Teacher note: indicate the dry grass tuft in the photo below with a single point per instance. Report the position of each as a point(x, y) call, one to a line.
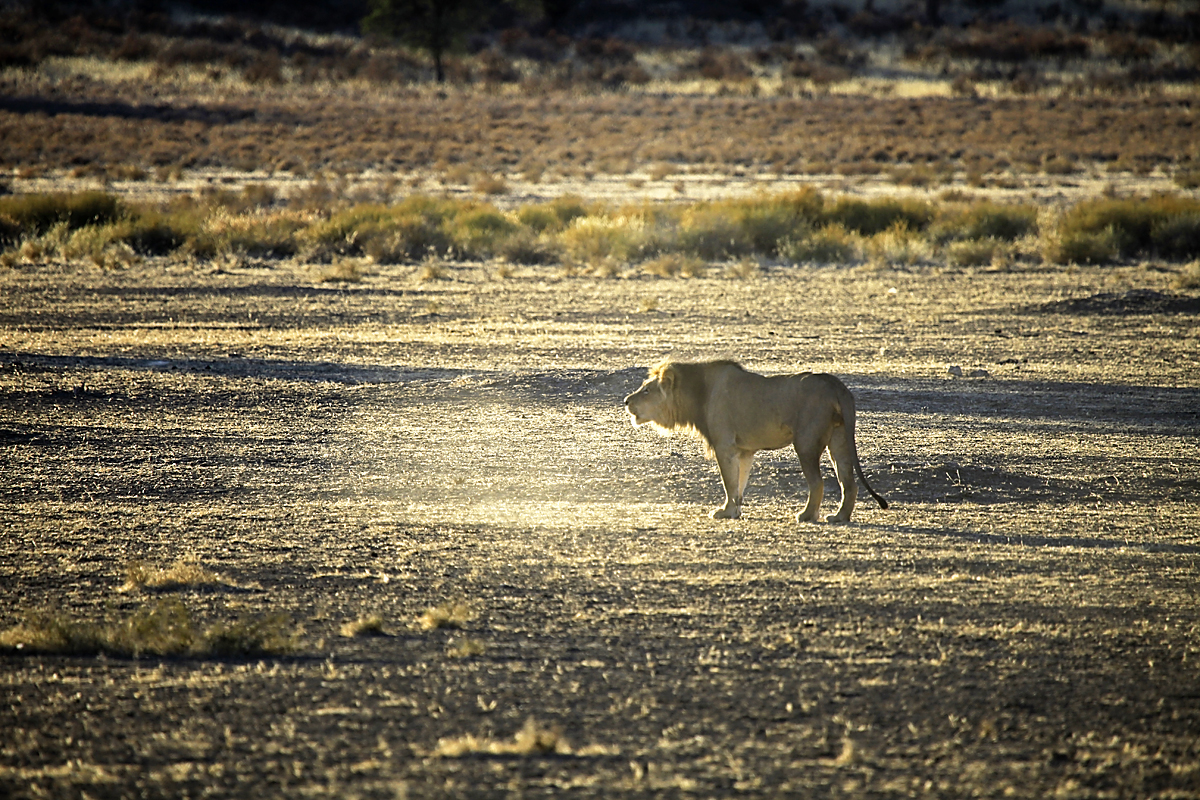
point(345, 271)
point(371, 625)
point(432, 269)
point(491, 185)
point(744, 269)
point(184, 573)
point(671, 265)
point(531, 740)
point(164, 629)
point(454, 614)
point(1188, 277)
point(466, 648)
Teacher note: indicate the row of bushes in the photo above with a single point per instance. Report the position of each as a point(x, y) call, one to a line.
point(804, 226)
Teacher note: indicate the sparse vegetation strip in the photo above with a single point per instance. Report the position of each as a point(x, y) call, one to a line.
point(665, 239)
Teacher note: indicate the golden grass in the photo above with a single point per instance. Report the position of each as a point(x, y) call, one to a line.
point(454, 614)
point(671, 239)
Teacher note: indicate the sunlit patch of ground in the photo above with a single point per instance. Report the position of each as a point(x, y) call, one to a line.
point(1022, 620)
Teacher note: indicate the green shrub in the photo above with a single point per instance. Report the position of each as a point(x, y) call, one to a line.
point(552, 216)
point(482, 232)
point(898, 245)
point(994, 221)
point(711, 233)
point(346, 226)
point(973, 252)
point(1130, 223)
point(154, 232)
point(869, 217)
point(526, 247)
point(832, 244)
point(1081, 247)
point(1177, 237)
point(36, 214)
point(593, 239)
point(404, 238)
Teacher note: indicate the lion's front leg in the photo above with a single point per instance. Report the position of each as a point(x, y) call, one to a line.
point(730, 465)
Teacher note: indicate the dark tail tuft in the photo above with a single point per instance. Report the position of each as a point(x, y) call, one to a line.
point(858, 467)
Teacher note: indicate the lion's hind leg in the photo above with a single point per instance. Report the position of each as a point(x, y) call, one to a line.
point(842, 454)
point(810, 465)
point(809, 450)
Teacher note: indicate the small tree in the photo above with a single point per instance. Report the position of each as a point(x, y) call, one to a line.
point(437, 26)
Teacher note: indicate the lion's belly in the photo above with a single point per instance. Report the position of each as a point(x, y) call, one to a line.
point(771, 438)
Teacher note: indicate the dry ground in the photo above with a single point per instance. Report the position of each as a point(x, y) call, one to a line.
point(1023, 621)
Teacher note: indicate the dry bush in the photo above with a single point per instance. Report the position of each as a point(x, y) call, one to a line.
point(1015, 43)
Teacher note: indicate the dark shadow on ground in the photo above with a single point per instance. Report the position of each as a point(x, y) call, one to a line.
point(211, 115)
point(1094, 405)
point(1023, 540)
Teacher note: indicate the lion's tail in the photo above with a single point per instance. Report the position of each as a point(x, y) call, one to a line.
point(858, 468)
point(848, 420)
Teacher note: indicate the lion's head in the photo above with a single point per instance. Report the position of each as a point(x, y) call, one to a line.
point(654, 403)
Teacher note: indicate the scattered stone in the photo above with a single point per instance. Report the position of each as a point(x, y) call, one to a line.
point(955, 370)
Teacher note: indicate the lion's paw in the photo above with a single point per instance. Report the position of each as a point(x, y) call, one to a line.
point(727, 513)
point(802, 517)
point(837, 518)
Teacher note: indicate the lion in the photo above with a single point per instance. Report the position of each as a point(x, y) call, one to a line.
point(736, 413)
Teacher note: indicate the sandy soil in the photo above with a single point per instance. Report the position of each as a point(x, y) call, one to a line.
point(1022, 622)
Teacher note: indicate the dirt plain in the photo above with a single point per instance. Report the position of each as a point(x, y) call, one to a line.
point(1023, 621)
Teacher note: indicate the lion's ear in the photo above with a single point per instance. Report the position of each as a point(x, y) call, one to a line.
point(667, 378)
